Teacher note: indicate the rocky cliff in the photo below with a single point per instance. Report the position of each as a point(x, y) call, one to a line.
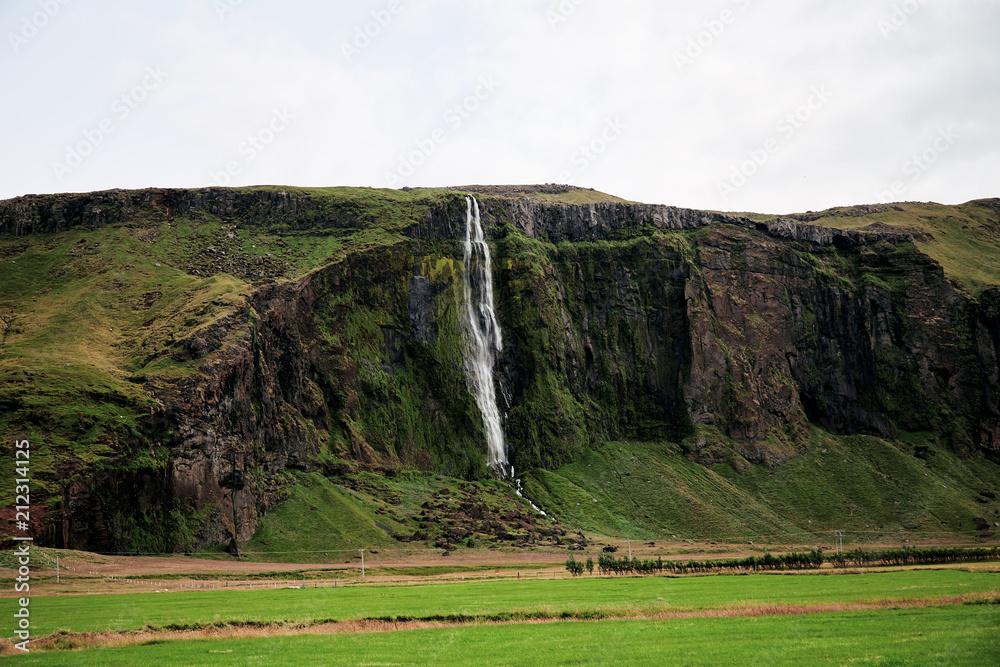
point(326, 336)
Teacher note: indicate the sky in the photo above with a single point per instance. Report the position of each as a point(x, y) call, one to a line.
point(740, 105)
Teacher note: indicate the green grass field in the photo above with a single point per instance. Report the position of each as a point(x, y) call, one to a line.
point(495, 599)
point(956, 635)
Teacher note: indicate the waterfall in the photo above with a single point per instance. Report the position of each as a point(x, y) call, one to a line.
point(484, 337)
point(519, 490)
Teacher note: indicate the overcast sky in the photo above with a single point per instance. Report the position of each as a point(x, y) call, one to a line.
point(744, 105)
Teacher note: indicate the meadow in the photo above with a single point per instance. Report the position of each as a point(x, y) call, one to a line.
point(956, 635)
point(492, 600)
point(907, 615)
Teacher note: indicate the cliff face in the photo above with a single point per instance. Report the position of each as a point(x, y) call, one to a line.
point(621, 321)
point(751, 329)
point(50, 214)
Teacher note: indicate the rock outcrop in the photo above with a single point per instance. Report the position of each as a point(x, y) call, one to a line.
point(621, 321)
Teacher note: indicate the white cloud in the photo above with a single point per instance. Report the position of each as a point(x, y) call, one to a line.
point(559, 85)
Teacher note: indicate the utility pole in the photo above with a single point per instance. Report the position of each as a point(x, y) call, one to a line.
point(362, 563)
point(630, 549)
point(840, 540)
point(57, 568)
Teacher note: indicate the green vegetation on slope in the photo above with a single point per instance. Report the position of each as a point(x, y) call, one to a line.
point(97, 320)
point(93, 314)
point(964, 239)
point(874, 489)
point(327, 519)
point(317, 516)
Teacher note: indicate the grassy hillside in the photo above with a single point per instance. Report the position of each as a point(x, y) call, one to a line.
point(567, 194)
point(91, 316)
point(877, 491)
point(874, 489)
point(964, 239)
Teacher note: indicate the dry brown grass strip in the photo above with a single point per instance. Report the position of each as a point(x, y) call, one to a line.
point(96, 640)
point(774, 609)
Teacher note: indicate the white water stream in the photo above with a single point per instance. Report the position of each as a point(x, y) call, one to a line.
point(485, 337)
point(518, 488)
point(485, 342)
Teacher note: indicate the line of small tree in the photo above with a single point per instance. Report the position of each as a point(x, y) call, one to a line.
point(576, 567)
point(608, 564)
point(912, 556)
point(807, 560)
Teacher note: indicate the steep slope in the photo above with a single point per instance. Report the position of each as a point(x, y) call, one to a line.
point(175, 354)
point(876, 490)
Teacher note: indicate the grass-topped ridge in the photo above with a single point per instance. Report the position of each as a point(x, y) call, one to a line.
point(964, 239)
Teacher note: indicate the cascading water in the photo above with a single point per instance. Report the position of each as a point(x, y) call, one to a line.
point(485, 338)
point(519, 490)
point(485, 341)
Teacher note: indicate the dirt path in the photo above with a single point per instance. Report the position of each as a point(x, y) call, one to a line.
point(88, 573)
point(82, 564)
point(85, 564)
